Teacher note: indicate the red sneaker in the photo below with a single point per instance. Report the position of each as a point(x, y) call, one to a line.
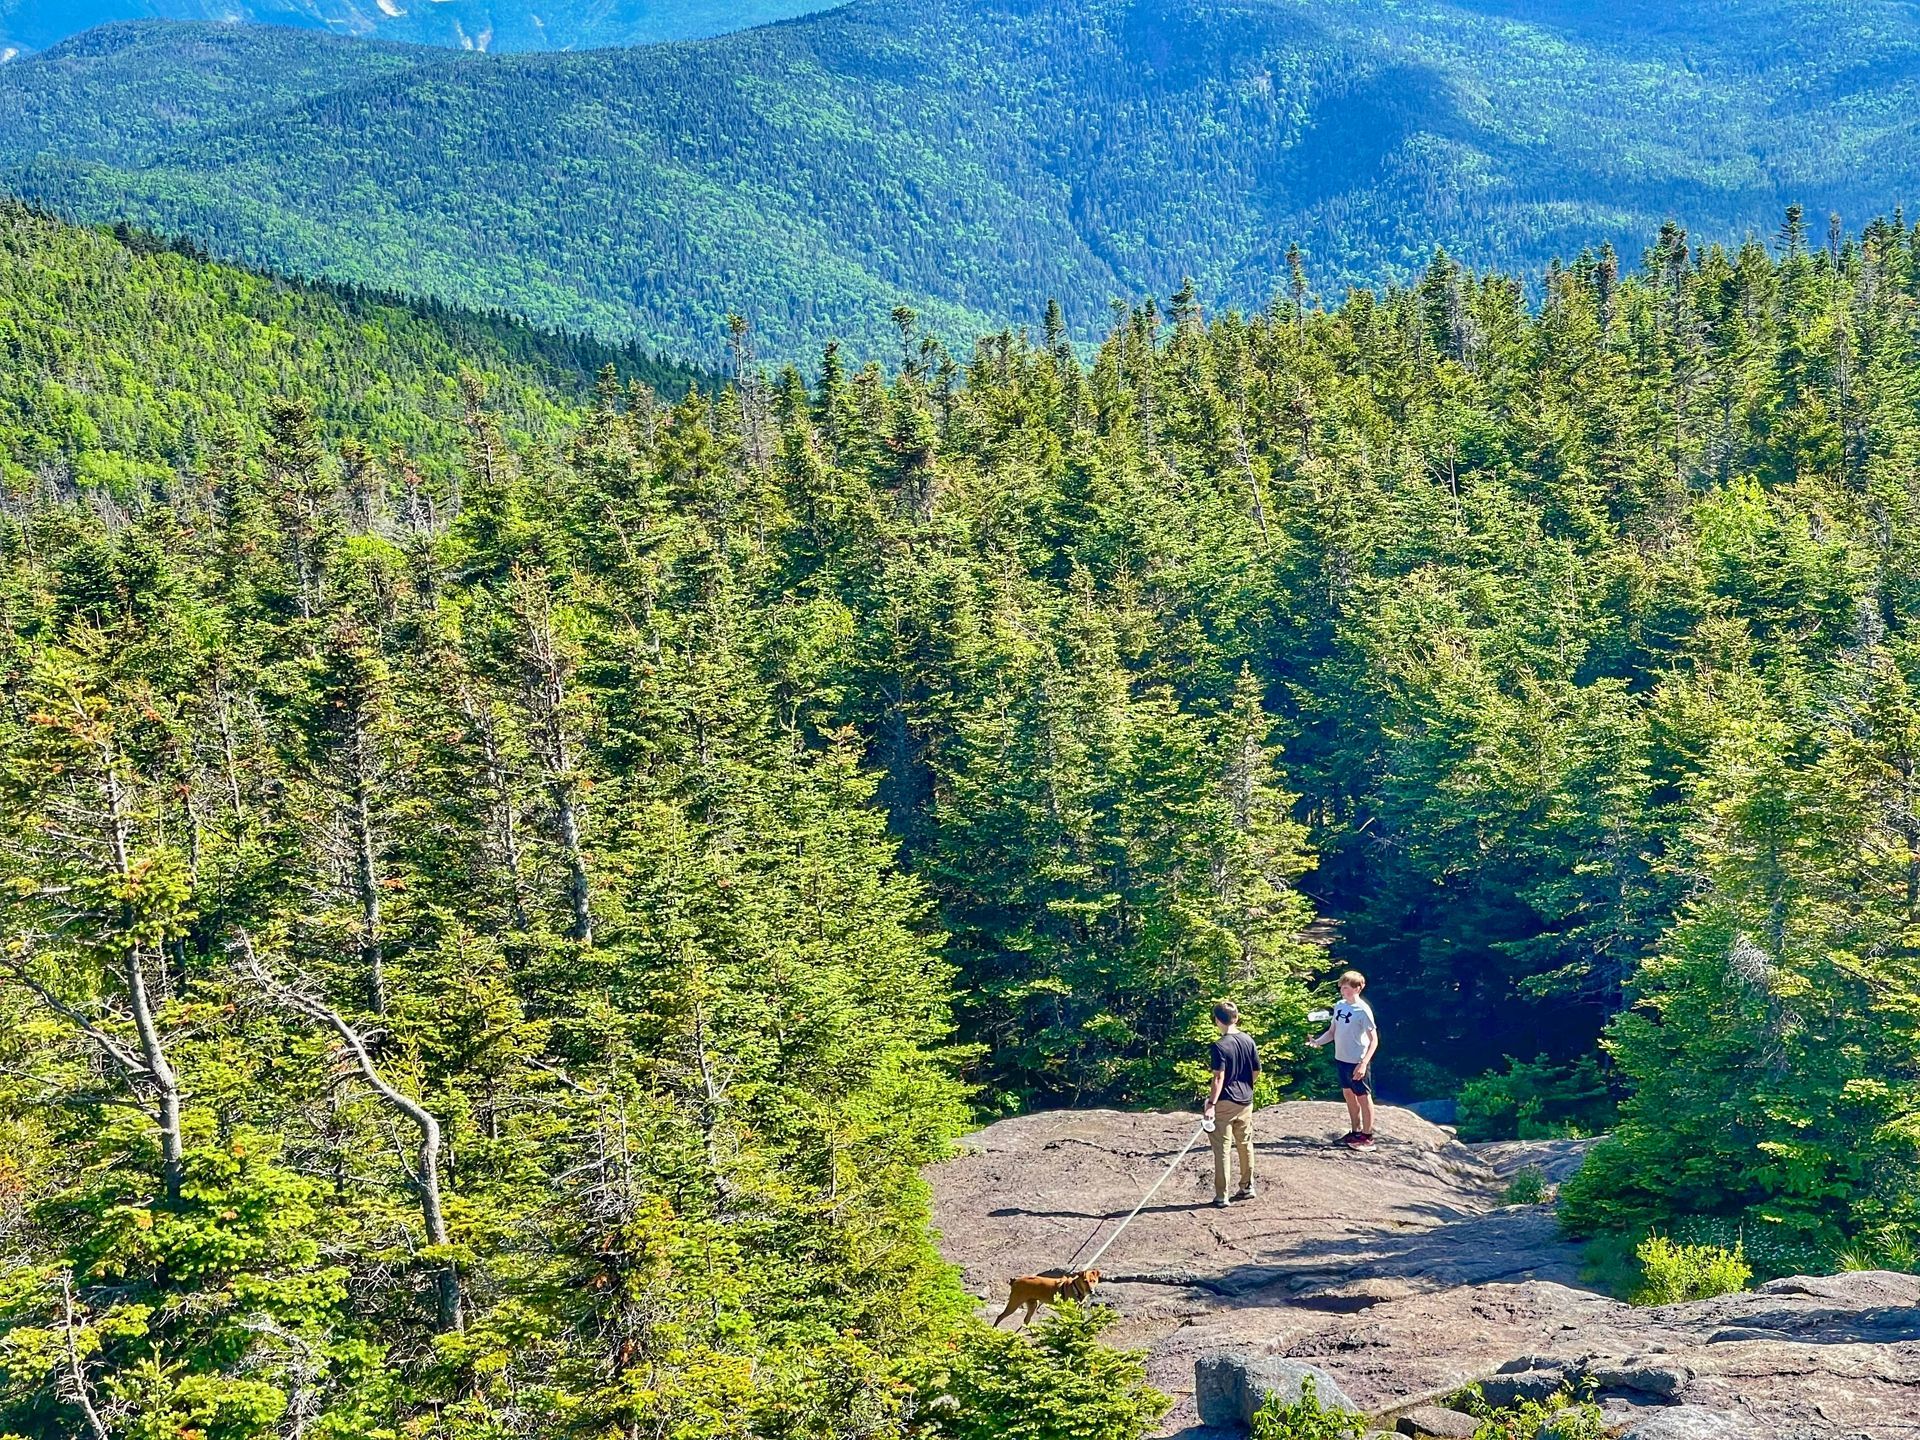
point(1360, 1141)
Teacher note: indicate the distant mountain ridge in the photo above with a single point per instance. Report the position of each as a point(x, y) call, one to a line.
point(497, 25)
point(971, 158)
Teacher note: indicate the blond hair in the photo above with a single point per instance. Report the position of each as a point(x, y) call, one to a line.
point(1354, 978)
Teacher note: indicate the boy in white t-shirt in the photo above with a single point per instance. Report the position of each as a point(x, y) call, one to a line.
point(1356, 1039)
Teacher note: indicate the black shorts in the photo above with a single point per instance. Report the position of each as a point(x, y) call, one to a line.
point(1347, 1082)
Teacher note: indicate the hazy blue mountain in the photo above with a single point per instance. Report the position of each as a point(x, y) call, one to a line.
point(498, 25)
point(974, 157)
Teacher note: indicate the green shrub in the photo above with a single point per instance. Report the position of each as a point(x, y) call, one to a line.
point(1599, 1202)
point(1608, 1265)
point(1602, 1197)
point(1772, 1245)
point(1305, 1420)
point(1527, 1187)
point(1560, 1418)
point(1613, 1261)
point(1533, 1100)
point(1671, 1273)
point(1052, 1381)
point(1565, 1416)
point(1889, 1250)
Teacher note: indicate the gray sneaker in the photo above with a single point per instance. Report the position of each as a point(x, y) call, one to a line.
point(1246, 1194)
point(1220, 1202)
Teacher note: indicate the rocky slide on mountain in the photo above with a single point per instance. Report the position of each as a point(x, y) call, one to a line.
point(1400, 1273)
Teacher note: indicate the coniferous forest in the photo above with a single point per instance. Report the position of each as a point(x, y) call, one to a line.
point(969, 158)
point(508, 875)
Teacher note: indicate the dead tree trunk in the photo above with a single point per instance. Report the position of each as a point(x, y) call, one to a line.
point(159, 1073)
point(223, 726)
point(712, 1101)
point(82, 1392)
point(501, 809)
point(424, 1176)
point(143, 1066)
point(547, 673)
point(1243, 456)
point(366, 874)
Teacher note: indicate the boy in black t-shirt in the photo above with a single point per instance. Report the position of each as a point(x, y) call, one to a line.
point(1236, 1062)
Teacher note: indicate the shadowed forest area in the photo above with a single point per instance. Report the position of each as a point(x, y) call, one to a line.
point(503, 889)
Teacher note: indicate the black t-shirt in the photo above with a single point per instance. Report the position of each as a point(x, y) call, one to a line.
point(1234, 1053)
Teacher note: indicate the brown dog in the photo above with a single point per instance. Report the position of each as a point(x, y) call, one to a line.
point(1049, 1287)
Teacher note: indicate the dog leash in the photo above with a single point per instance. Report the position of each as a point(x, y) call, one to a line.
point(1094, 1259)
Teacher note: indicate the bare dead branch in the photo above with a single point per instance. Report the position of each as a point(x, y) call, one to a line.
point(425, 1177)
point(82, 1396)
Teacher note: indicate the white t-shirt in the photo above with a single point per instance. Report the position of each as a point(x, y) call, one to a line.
point(1352, 1023)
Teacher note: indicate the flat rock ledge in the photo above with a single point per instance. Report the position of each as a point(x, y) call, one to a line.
point(1400, 1275)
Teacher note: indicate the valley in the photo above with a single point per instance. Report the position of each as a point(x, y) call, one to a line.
point(652, 696)
point(972, 159)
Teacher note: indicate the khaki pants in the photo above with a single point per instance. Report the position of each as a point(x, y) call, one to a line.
point(1228, 1115)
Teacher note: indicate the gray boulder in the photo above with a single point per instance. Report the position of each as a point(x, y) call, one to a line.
point(1229, 1386)
point(1654, 1375)
point(1522, 1363)
point(1433, 1420)
point(1503, 1390)
point(1436, 1112)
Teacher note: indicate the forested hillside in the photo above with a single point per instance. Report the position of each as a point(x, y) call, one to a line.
point(493, 967)
point(972, 157)
point(131, 360)
point(498, 25)
point(438, 995)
